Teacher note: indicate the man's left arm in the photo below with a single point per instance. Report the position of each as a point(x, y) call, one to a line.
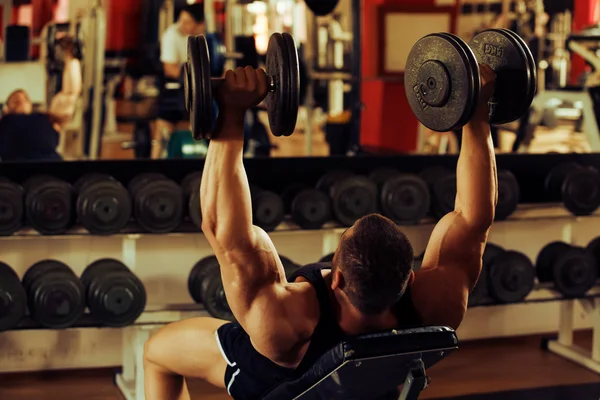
point(62, 106)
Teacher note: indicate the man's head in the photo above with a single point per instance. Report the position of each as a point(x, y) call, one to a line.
point(18, 102)
point(191, 20)
point(372, 264)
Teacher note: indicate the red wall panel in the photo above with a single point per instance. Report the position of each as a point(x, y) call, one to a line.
point(584, 15)
point(123, 25)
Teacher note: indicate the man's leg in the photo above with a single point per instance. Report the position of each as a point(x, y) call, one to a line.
point(186, 348)
point(162, 132)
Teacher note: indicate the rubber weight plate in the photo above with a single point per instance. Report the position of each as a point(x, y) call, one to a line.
point(13, 299)
point(381, 175)
point(191, 190)
point(201, 269)
point(11, 207)
point(405, 199)
point(267, 210)
point(581, 191)
point(289, 193)
point(321, 7)
point(353, 198)
point(140, 180)
point(544, 263)
point(198, 88)
point(442, 82)
point(288, 266)
point(555, 179)
point(575, 273)
point(48, 205)
point(501, 51)
point(480, 290)
point(103, 206)
point(593, 248)
point(55, 296)
point(115, 296)
point(511, 277)
point(327, 258)
point(89, 179)
point(509, 194)
point(326, 182)
point(311, 209)
point(444, 195)
point(282, 66)
point(158, 206)
point(213, 296)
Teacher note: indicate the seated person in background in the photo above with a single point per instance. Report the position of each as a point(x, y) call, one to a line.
point(26, 135)
point(282, 327)
point(173, 54)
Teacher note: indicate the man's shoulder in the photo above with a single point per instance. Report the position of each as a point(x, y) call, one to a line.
point(172, 33)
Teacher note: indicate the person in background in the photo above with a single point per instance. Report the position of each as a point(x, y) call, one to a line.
point(173, 54)
point(26, 135)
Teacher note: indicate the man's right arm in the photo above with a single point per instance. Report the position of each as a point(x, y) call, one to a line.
point(452, 261)
point(168, 55)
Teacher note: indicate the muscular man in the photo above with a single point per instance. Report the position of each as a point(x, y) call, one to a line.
point(173, 53)
point(26, 135)
point(284, 326)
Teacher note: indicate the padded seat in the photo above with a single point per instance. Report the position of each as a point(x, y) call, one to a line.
point(372, 367)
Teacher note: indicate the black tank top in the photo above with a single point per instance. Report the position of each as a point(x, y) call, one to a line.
point(327, 333)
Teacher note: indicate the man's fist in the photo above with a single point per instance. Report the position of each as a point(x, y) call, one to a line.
point(242, 89)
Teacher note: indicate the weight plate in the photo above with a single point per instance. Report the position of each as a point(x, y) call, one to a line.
point(321, 7)
point(581, 191)
point(11, 207)
point(405, 199)
point(480, 292)
point(191, 189)
point(282, 67)
point(89, 179)
point(288, 266)
point(140, 180)
point(555, 178)
point(511, 277)
point(191, 183)
point(381, 175)
point(158, 206)
point(508, 195)
point(13, 298)
point(55, 296)
point(201, 269)
point(544, 263)
point(444, 195)
point(267, 210)
point(327, 258)
point(575, 273)
point(104, 207)
point(49, 205)
point(311, 209)
point(502, 52)
point(198, 87)
point(432, 174)
point(532, 67)
point(440, 82)
point(115, 296)
point(353, 198)
point(326, 182)
point(214, 298)
point(593, 248)
point(289, 193)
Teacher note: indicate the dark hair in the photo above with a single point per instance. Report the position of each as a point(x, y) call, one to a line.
point(375, 260)
point(196, 10)
point(67, 43)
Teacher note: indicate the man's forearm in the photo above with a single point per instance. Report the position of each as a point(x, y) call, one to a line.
point(476, 175)
point(224, 192)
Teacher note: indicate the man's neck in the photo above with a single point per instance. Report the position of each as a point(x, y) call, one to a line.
point(353, 323)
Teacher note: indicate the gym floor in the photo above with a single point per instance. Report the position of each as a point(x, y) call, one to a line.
point(480, 370)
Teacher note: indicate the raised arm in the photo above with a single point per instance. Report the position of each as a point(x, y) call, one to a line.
point(253, 276)
point(452, 261)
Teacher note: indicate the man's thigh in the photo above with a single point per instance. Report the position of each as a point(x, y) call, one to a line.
point(189, 348)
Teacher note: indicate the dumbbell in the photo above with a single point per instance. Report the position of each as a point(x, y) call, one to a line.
point(576, 186)
point(283, 76)
point(103, 204)
point(157, 202)
point(191, 192)
point(114, 295)
point(55, 296)
point(510, 275)
point(509, 194)
point(48, 204)
point(11, 207)
point(572, 269)
point(404, 198)
point(352, 196)
point(267, 208)
point(321, 7)
point(442, 186)
point(443, 82)
point(480, 292)
point(13, 299)
point(310, 208)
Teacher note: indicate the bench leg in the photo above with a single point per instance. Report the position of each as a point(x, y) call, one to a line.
point(415, 383)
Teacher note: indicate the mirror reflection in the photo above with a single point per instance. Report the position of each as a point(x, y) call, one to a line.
point(91, 80)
